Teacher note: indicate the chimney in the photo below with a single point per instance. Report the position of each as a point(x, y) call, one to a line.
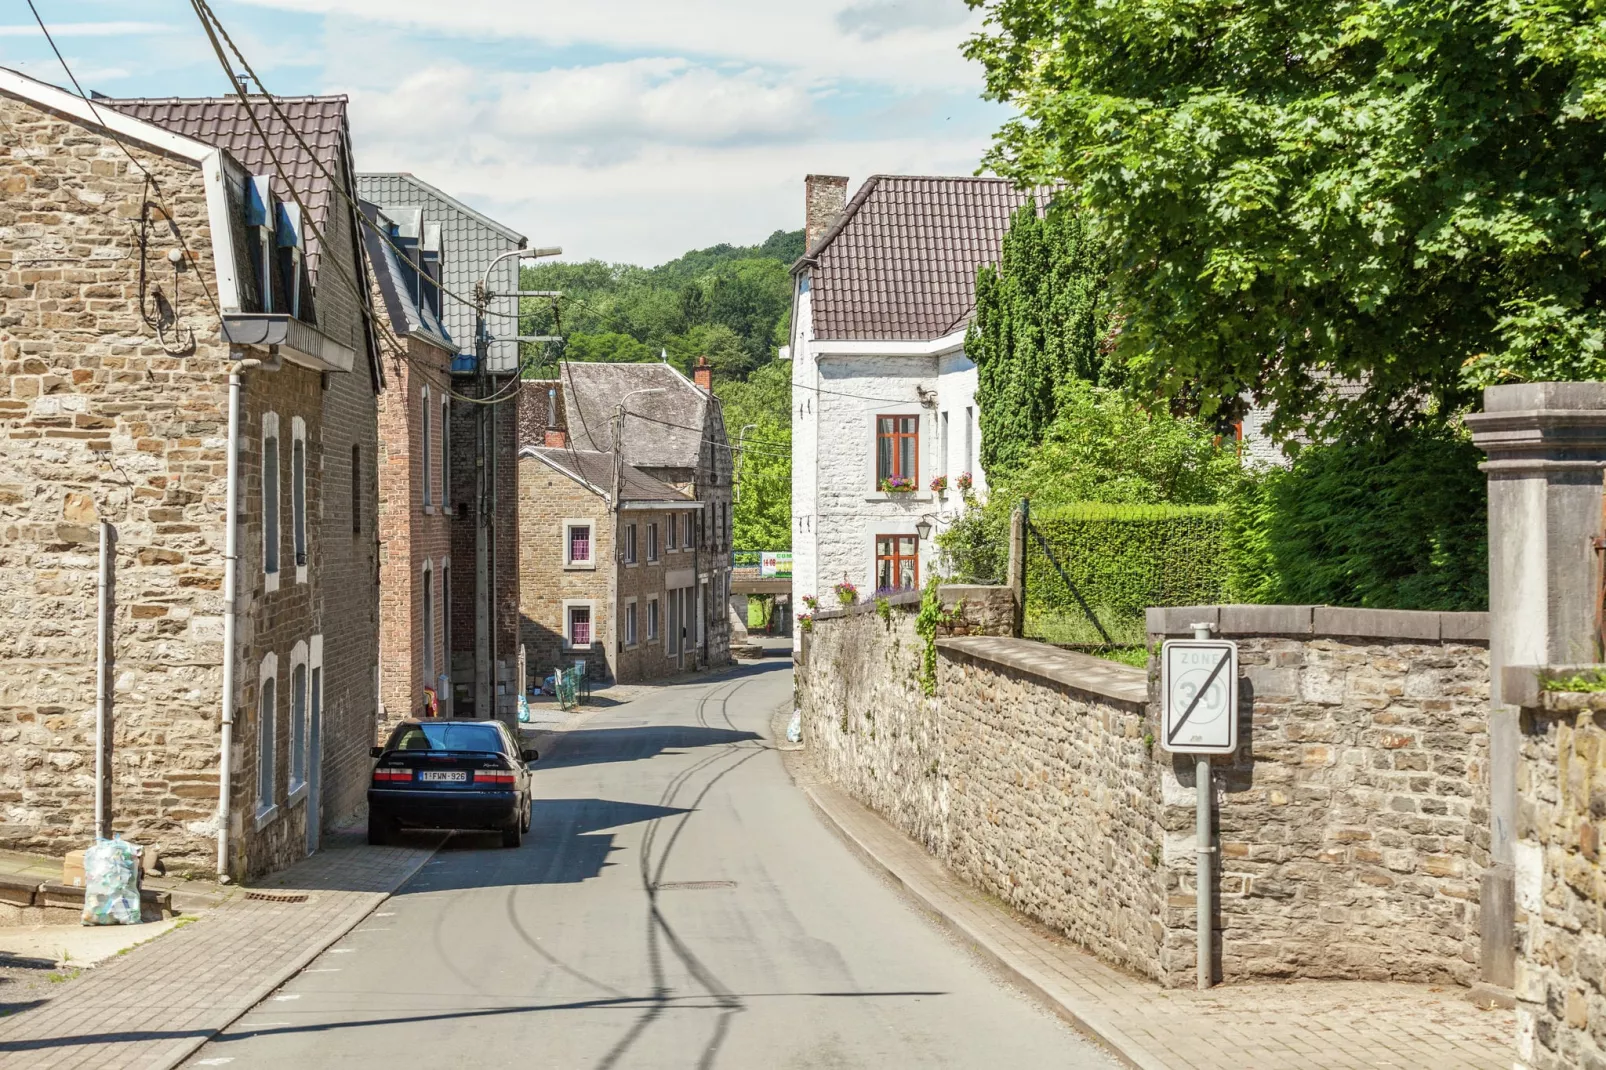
point(826, 197)
point(703, 375)
point(556, 437)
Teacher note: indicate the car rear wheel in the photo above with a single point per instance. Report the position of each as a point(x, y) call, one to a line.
point(513, 836)
point(526, 815)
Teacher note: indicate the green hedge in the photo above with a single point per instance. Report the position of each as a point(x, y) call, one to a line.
point(1123, 559)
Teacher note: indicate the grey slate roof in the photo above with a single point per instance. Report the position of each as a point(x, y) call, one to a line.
point(595, 467)
point(900, 264)
point(663, 430)
point(407, 316)
point(224, 122)
point(469, 242)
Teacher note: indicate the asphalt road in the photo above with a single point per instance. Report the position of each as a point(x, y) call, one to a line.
point(678, 904)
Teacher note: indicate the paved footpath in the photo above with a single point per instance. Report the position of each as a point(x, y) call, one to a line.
point(156, 1005)
point(1306, 1025)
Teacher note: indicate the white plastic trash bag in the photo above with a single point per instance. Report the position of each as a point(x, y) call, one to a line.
point(794, 728)
point(111, 883)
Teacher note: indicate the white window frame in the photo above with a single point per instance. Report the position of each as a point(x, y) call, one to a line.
point(446, 454)
point(655, 617)
point(298, 510)
point(425, 455)
point(579, 603)
point(632, 552)
point(267, 740)
point(569, 525)
point(970, 441)
point(272, 536)
point(942, 444)
point(298, 724)
point(426, 612)
point(653, 549)
point(314, 702)
point(629, 624)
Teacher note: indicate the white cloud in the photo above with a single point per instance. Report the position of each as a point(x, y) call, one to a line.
point(913, 44)
point(85, 29)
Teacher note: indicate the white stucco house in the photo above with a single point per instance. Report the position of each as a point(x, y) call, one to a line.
point(882, 391)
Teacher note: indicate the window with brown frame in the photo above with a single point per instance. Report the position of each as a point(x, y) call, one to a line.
point(897, 563)
point(897, 449)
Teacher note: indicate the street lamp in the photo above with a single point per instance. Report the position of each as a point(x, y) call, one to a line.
point(923, 527)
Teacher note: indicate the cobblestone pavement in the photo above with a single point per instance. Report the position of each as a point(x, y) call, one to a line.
point(154, 1006)
point(1305, 1025)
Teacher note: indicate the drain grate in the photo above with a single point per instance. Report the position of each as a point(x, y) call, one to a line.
point(693, 886)
point(278, 897)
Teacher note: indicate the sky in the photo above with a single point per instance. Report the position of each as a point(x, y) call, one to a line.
point(621, 130)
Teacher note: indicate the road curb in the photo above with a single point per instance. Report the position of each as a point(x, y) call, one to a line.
point(191, 1045)
point(1085, 1020)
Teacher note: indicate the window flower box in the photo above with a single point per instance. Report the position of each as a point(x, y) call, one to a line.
point(897, 485)
point(964, 482)
point(940, 484)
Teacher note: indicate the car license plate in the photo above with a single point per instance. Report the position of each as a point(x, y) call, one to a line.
point(449, 776)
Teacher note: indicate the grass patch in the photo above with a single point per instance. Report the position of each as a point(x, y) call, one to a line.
point(1075, 632)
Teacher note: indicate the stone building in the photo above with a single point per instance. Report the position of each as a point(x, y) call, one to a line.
point(674, 432)
point(612, 588)
point(182, 328)
point(464, 247)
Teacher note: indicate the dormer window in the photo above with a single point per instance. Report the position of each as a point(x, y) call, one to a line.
point(290, 252)
point(277, 249)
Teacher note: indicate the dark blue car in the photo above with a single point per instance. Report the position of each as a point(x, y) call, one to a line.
point(450, 775)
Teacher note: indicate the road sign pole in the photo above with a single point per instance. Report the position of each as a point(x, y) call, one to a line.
point(1204, 923)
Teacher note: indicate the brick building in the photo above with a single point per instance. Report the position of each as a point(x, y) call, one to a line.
point(170, 284)
point(674, 432)
point(614, 589)
point(464, 247)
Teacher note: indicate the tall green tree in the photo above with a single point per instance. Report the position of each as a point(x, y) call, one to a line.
point(1408, 194)
point(761, 515)
point(1038, 322)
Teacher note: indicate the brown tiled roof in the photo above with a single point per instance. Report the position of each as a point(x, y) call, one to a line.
point(222, 121)
point(901, 262)
point(596, 468)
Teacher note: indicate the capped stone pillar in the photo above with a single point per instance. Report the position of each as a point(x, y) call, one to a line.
point(1547, 452)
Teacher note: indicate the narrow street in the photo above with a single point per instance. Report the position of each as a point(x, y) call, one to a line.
point(678, 904)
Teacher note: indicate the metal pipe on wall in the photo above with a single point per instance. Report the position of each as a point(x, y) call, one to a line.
point(231, 578)
point(1203, 837)
point(105, 605)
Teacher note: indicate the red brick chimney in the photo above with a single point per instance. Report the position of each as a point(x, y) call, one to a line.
point(556, 438)
point(703, 375)
point(825, 198)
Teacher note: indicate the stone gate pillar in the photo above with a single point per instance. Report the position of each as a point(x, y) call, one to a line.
point(1547, 451)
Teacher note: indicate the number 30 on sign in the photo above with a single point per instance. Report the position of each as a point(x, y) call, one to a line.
point(1199, 682)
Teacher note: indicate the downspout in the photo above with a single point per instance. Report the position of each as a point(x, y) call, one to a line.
point(231, 574)
point(103, 679)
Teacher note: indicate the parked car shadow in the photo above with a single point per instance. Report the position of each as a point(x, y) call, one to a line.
point(594, 746)
point(568, 842)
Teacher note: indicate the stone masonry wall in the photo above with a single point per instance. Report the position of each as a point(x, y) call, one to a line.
point(97, 422)
point(1561, 884)
point(546, 499)
point(1353, 820)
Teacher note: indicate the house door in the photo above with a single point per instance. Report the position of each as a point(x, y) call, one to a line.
point(315, 763)
point(672, 625)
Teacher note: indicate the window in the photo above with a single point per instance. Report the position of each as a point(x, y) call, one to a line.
point(267, 732)
point(897, 565)
point(429, 626)
point(448, 736)
point(630, 544)
point(897, 448)
point(652, 542)
point(579, 625)
point(652, 619)
point(424, 455)
point(270, 499)
point(970, 439)
point(298, 725)
point(630, 624)
point(676, 600)
point(446, 453)
point(674, 532)
point(298, 495)
point(724, 524)
point(356, 490)
point(942, 444)
point(577, 543)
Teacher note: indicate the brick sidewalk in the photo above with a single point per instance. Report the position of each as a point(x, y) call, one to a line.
point(1303, 1025)
point(156, 1005)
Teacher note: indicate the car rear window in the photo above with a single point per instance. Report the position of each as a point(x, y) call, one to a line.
point(446, 736)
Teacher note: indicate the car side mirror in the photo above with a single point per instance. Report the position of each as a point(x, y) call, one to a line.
point(376, 752)
point(530, 754)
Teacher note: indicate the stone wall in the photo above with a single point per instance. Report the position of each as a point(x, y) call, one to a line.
point(1561, 883)
point(1352, 822)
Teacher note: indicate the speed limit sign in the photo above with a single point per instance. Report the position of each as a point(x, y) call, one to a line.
point(1199, 680)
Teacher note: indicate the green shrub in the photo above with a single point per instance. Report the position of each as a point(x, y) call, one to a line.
point(1396, 522)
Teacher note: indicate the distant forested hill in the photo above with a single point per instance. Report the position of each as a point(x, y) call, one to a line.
point(730, 303)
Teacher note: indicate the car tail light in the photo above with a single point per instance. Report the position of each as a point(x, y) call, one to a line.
point(493, 776)
point(393, 774)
